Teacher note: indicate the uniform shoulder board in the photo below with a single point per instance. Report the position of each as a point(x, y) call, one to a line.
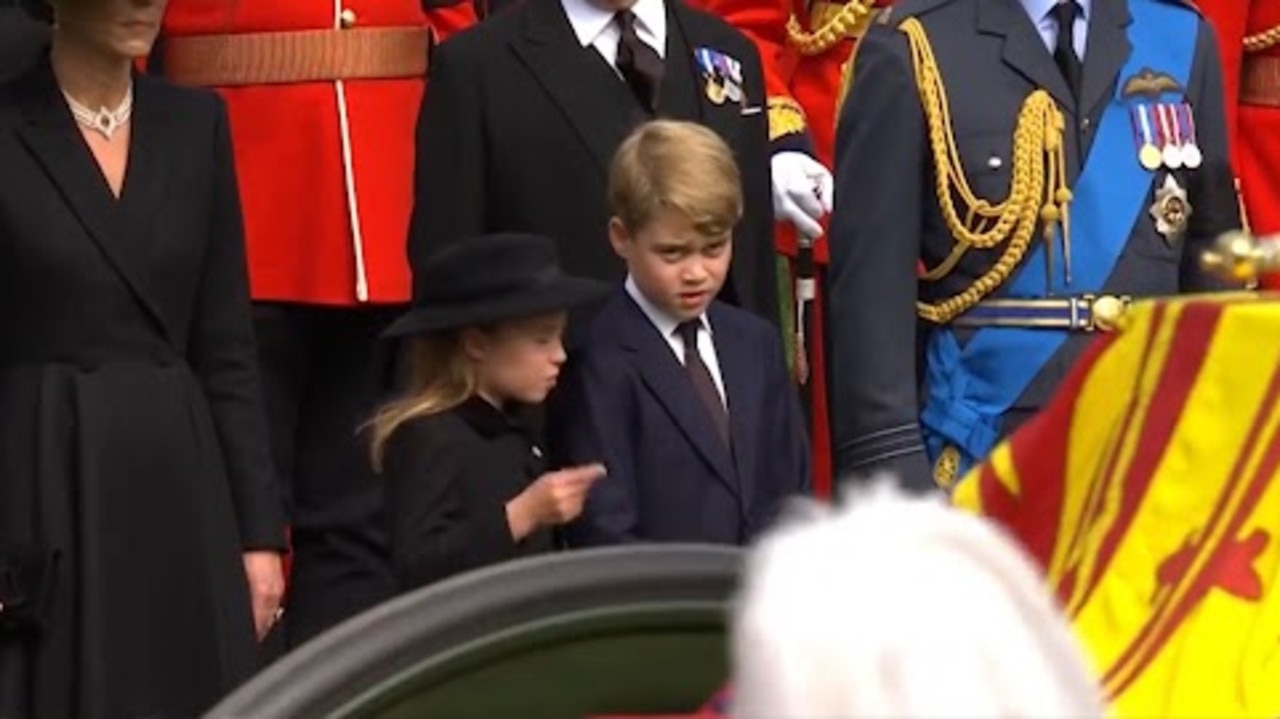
point(903, 9)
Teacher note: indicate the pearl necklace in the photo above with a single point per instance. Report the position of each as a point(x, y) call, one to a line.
point(103, 121)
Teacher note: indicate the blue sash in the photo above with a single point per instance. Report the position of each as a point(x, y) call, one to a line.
point(970, 389)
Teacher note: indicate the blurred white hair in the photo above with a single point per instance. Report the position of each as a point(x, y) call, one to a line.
point(897, 606)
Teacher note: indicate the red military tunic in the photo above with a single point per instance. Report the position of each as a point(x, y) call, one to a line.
point(1249, 35)
point(325, 168)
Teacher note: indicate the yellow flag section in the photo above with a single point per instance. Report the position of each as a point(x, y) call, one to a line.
point(1149, 490)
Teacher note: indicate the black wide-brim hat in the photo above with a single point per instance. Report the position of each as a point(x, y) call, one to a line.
point(492, 278)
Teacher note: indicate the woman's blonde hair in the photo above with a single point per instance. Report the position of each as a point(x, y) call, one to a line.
point(441, 378)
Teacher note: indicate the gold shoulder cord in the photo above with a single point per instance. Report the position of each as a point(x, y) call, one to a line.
point(1038, 190)
point(845, 23)
point(1264, 40)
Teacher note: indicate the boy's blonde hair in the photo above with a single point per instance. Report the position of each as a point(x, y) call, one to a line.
point(679, 166)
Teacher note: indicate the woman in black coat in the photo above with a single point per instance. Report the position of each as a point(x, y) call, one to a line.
point(466, 481)
point(136, 493)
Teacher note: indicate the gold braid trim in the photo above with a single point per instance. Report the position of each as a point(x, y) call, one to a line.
point(1037, 193)
point(786, 117)
point(1264, 40)
point(846, 83)
point(846, 23)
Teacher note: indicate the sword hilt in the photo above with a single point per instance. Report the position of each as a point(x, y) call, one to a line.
point(1242, 257)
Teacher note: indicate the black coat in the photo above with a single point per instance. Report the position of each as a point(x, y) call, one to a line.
point(449, 477)
point(21, 40)
point(134, 458)
point(521, 123)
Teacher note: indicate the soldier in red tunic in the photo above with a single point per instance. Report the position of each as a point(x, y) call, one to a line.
point(323, 98)
point(805, 46)
point(1249, 38)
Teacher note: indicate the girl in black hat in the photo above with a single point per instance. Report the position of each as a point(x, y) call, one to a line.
point(466, 477)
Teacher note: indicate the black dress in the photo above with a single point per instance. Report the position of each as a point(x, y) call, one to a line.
point(133, 459)
point(449, 477)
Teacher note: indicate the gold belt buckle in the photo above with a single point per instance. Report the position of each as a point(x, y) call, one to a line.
point(1106, 312)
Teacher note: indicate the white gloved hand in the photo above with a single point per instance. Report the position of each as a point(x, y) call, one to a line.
point(802, 191)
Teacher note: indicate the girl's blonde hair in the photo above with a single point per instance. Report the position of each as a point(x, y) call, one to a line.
point(441, 378)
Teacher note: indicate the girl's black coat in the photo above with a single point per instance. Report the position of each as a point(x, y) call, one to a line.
point(449, 477)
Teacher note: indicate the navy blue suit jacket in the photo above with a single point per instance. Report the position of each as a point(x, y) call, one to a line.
point(627, 401)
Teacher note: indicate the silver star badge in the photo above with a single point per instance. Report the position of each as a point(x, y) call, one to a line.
point(1171, 210)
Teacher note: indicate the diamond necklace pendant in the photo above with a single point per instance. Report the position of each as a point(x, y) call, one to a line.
point(103, 121)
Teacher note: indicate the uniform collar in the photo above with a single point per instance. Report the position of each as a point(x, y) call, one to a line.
point(1039, 10)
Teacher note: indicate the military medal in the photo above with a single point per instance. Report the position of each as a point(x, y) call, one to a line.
point(1150, 157)
point(731, 70)
point(721, 73)
point(715, 91)
point(1171, 210)
point(1192, 157)
point(733, 92)
point(1148, 154)
point(1171, 150)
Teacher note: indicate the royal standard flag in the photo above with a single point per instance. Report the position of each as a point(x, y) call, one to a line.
point(1149, 491)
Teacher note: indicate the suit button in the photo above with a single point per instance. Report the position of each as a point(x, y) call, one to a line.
point(347, 18)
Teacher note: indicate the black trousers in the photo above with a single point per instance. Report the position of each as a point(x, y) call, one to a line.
point(324, 372)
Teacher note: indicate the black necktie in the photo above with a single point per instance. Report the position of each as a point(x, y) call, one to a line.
point(703, 384)
point(1064, 54)
point(640, 65)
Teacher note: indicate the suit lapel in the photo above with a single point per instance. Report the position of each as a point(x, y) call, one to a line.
point(681, 95)
point(741, 388)
point(146, 184)
point(683, 92)
point(1106, 53)
point(52, 137)
point(665, 377)
point(592, 97)
point(1023, 48)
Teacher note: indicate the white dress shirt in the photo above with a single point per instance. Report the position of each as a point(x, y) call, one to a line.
point(595, 27)
point(667, 326)
point(1041, 14)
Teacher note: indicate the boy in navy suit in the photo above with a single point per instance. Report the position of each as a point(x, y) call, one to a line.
point(686, 400)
